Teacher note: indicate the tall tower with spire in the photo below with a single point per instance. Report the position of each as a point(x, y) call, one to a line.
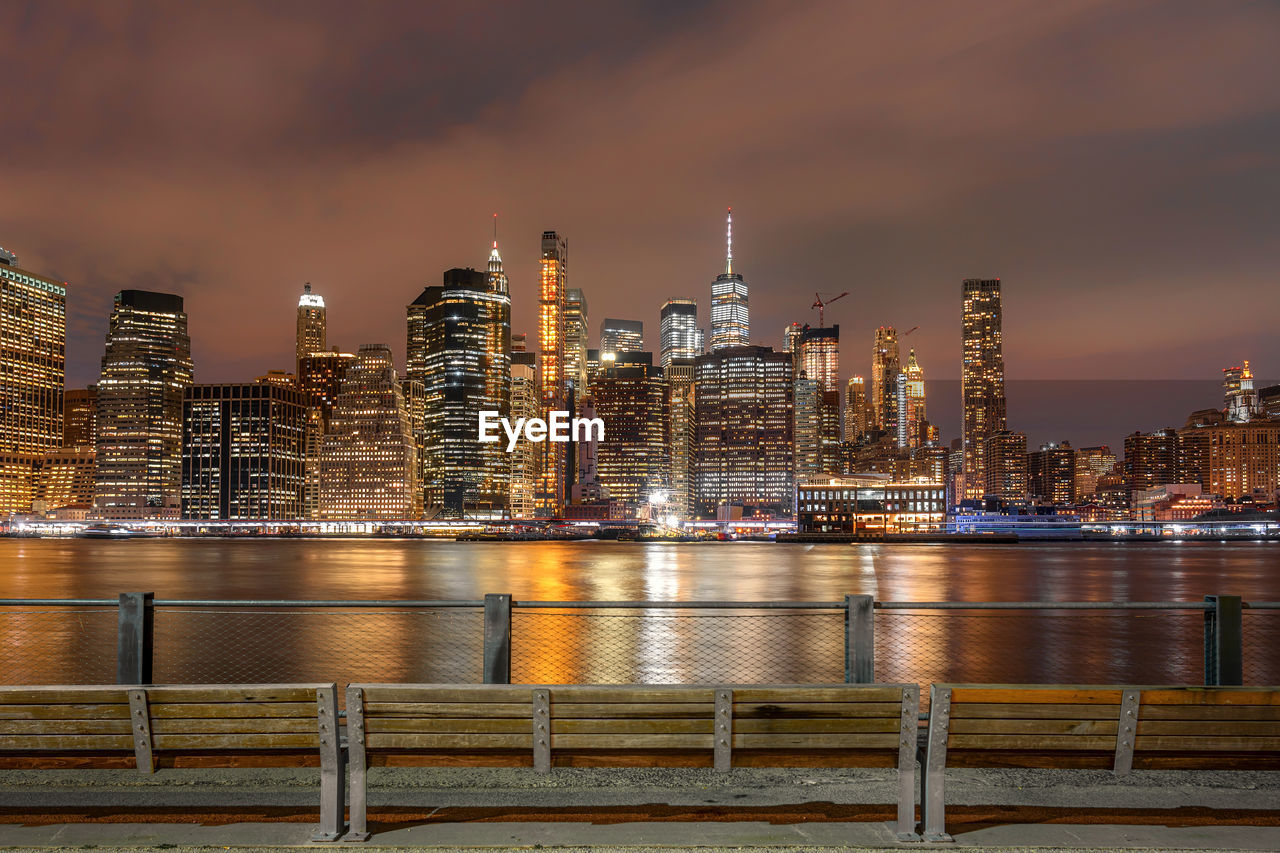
point(730, 321)
point(312, 335)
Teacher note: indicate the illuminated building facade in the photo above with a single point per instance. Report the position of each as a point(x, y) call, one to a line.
point(885, 367)
point(870, 507)
point(1051, 473)
point(1236, 460)
point(620, 336)
point(1091, 464)
point(1241, 400)
point(552, 459)
point(791, 339)
point(80, 417)
point(857, 417)
point(730, 315)
point(744, 410)
point(64, 480)
point(820, 356)
point(33, 327)
point(681, 336)
point(679, 375)
point(368, 460)
point(320, 377)
point(635, 458)
point(146, 369)
point(575, 339)
point(1150, 460)
point(457, 349)
point(913, 425)
point(312, 335)
point(523, 461)
point(981, 377)
point(1006, 466)
point(243, 451)
point(806, 429)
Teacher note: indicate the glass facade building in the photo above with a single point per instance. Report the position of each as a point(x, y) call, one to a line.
point(681, 336)
point(981, 377)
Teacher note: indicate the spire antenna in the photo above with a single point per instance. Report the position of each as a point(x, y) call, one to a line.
point(728, 264)
point(495, 231)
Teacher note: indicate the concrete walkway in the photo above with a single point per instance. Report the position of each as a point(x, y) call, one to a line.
point(639, 808)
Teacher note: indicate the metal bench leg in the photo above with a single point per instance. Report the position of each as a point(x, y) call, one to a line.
point(359, 829)
point(932, 796)
point(332, 788)
point(906, 830)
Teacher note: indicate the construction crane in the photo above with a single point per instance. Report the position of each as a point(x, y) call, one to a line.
point(821, 305)
point(909, 331)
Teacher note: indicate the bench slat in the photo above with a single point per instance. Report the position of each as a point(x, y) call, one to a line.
point(1042, 726)
point(1214, 696)
point(885, 710)
point(25, 742)
point(64, 712)
point(237, 693)
point(782, 740)
point(1038, 695)
point(790, 695)
point(235, 709)
point(1034, 742)
point(208, 726)
point(225, 741)
point(1254, 728)
point(632, 741)
point(64, 727)
point(406, 725)
point(1161, 743)
point(495, 710)
point(445, 741)
point(597, 711)
point(1210, 712)
point(1021, 711)
point(816, 726)
point(64, 696)
point(634, 727)
point(483, 693)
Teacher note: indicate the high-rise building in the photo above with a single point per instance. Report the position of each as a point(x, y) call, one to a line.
point(457, 349)
point(33, 328)
point(1231, 459)
point(885, 367)
point(1051, 473)
point(145, 371)
point(619, 336)
point(857, 417)
point(1241, 401)
point(552, 459)
point(312, 335)
point(681, 336)
point(320, 376)
point(575, 339)
point(634, 460)
point(1006, 468)
point(63, 480)
point(1091, 464)
point(829, 432)
point(519, 342)
point(1150, 460)
point(368, 460)
point(807, 429)
point(1269, 401)
point(679, 376)
point(730, 317)
point(791, 339)
point(820, 356)
point(523, 460)
point(587, 488)
point(744, 404)
point(243, 451)
point(913, 423)
point(981, 376)
point(80, 417)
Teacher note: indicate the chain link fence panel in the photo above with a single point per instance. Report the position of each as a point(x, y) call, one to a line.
point(1261, 630)
point(73, 645)
point(676, 647)
point(258, 646)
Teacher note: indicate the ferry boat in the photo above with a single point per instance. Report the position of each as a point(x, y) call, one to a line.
point(111, 531)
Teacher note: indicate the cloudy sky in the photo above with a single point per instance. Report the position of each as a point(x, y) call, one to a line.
point(1117, 165)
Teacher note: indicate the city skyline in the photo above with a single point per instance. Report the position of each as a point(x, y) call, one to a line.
point(1143, 180)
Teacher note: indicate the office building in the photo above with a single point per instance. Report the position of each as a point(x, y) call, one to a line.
point(791, 339)
point(913, 424)
point(1239, 397)
point(312, 334)
point(744, 409)
point(1005, 453)
point(730, 315)
point(619, 336)
point(871, 507)
point(1051, 473)
point(63, 481)
point(522, 462)
point(80, 417)
point(807, 429)
point(1231, 459)
point(320, 376)
point(552, 456)
point(634, 460)
point(519, 342)
point(575, 340)
point(857, 417)
point(885, 367)
point(681, 336)
point(457, 348)
point(1269, 401)
point(368, 460)
point(243, 448)
point(146, 369)
point(981, 377)
point(820, 356)
point(680, 375)
point(1091, 464)
point(1150, 460)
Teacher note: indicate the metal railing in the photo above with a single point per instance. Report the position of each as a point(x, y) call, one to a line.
point(137, 639)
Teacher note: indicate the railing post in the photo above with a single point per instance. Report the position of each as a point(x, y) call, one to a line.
point(135, 638)
point(497, 639)
point(1223, 641)
point(859, 639)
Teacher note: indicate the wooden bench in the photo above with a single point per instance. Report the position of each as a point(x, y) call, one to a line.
point(1000, 725)
point(258, 725)
point(545, 726)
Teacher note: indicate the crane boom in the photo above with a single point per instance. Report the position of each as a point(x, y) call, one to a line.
point(821, 305)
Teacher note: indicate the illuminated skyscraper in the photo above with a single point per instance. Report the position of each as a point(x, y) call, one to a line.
point(819, 356)
point(33, 333)
point(807, 424)
point(320, 378)
point(1006, 470)
point(80, 417)
point(679, 376)
point(1151, 460)
point(743, 402)
point(791, 338)
point(857, 419)
point(368, 462)
point(1051, 473)
point(552, 460)
point(730, 319)
point(1091, 464)
point(681, 336)
point(619, 336)
point(242, 451)
point(312, 335)
point(457, 349)
point(145, 371)
point(981, 377)
point(575, 339)
point(64, 481)
point(885, 367)
point(523, 461)
point(1241, 401)
point(634, 460)
point(913, 425)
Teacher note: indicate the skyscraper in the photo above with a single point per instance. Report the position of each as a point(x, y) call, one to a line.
point(1091, 464)
point(1239, 398)
point(619, 336)
point(368, 462)
point(791, 338)
point(553, 276)
point(243, 451)
point(819, 356)
point(679, 376)
point(1150, 460)
point(33, 329)
point(913, 423)
point(145, 371)
point(1051, 473)
point(575, 339)
point(857, 420)
point(312, 334)
point(80, 417)
point(885, 367)
point(320, 378)
point(806, 429)
point(730, 319)
point(523, 460)
point(681, 336)
point(634, 460)
point(743, 402)
point(981, 377)
point(457, 348)
point(1006, 470)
